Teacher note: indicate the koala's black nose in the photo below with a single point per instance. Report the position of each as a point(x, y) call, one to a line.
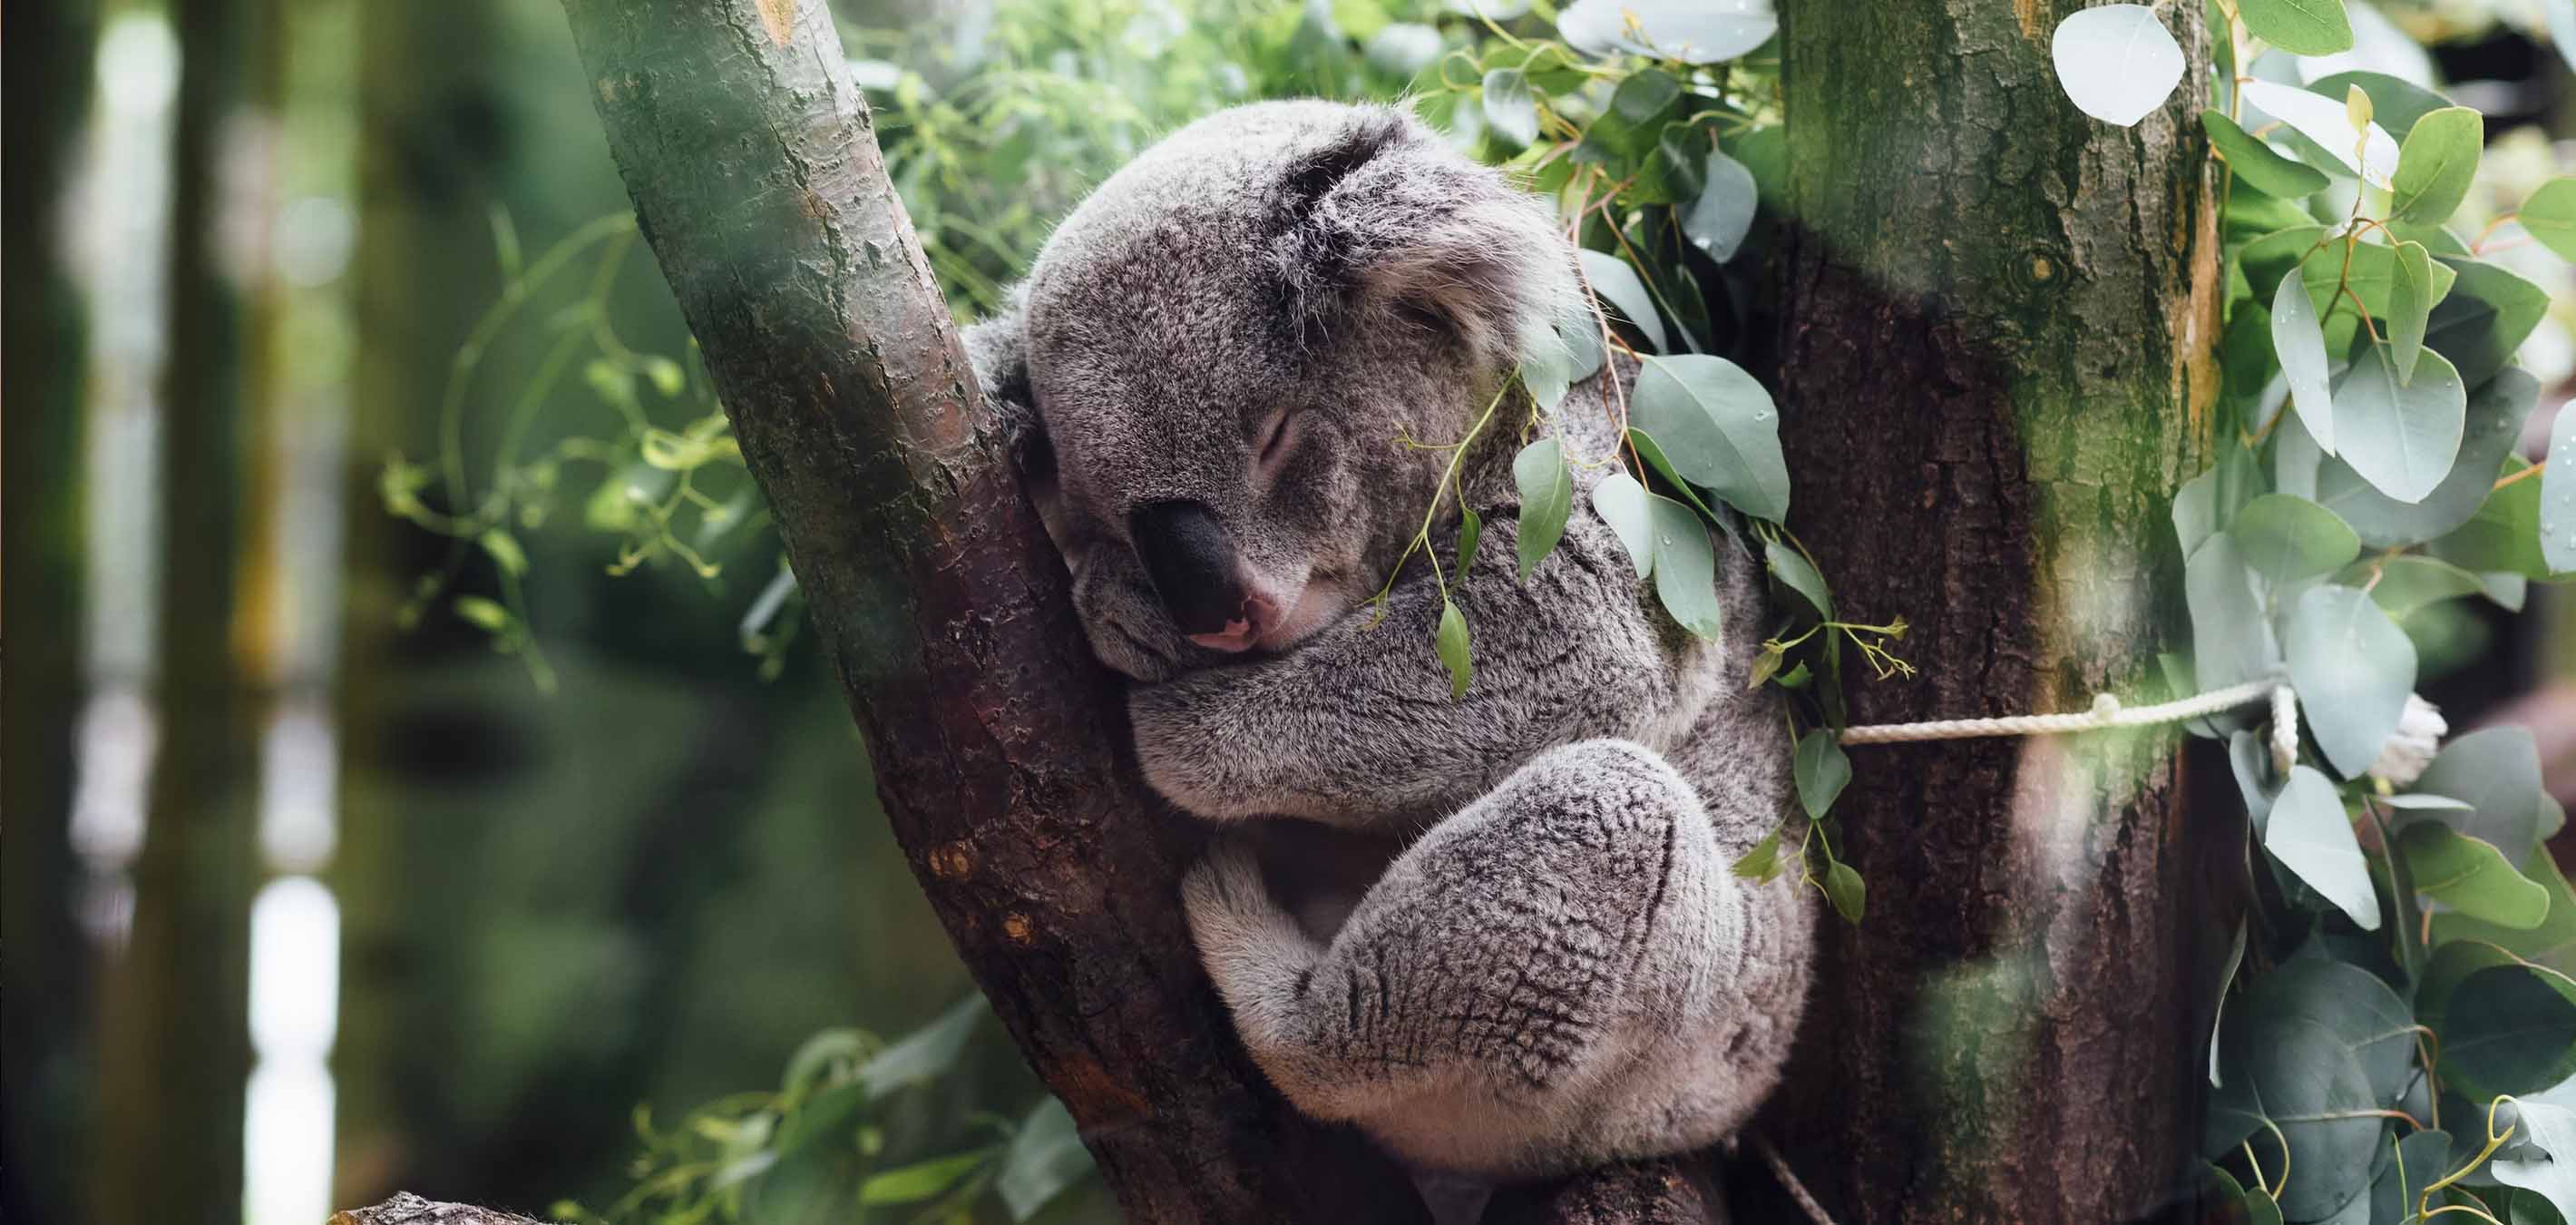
point(1192, 564)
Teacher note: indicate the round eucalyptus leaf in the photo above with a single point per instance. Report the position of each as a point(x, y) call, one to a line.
point(2353, 669)
point(2364, 1015)
point(2550, 215)
point(2316, 1093)
point(1719, 429)
point(2483, 320)
point(2398, 102)
point(1719, 219)
point(2436, 165)
point(1402, 48)
point(2310, 834)
point(2300, 27)
point(2510, 1029)
point(2496, 772)
point(2410, 582)
point(2116, 62)
point(2286, 539)
point(1509, 107)
point(2558, 496)
point(2368, 152)
point(2400, 436)
point(2232, 640)
point(2493, 421)
point(1687, 31)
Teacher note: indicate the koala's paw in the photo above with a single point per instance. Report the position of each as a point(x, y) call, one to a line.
point(1244, 937)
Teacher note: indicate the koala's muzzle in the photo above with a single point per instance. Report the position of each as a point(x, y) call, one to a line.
point(1198, 577)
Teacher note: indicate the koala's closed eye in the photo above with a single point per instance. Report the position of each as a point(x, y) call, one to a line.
point(1278, 438)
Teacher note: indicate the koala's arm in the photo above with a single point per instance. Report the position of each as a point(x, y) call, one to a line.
point(1357, 724)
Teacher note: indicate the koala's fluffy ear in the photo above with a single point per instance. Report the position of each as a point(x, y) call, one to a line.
point(1384, 222)
point(998, 348)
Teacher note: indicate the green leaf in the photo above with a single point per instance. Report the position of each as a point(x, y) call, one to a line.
point(2550, 215)
point(2370, 153)
point(2300, 341)
point(2233, 641)
point(2258, 165)
point(2401, 437)
point(1822, 770)
point(1718, 427)
point(1626, 130)
point(2352, 668)
point(2470, 876)
point(2496, 772)
point(1451, 643)
point(1685, 567)
point(926, 1053)
point(2436, 166)
point(1762, 863)
point(505, 551)
point(2300, 27)
point(2218, 1013)
point(2504, 535)
point(2116, 62)
point(2312, 837)
point(2286, 539)
point(1046, 1156)
point(917, 1182)
point(1509, 109)
point(2491, 425)
point(1614, 282)
point(1722, 215)
point(666, 376)
point(2551, 1126)
point(2269, 258)
point(1796, 573)
point(1659, 464)
point(2364, 1015)
point(2411, 582)
point(2295, 1073)
point(2410, 306)
point(1622, 503)
point(1547, 497)
point(1471, 528)
point(2485, 319)
point(2509, 1029)
point(1845, 889)
point(2551, 944)
point(483, 613)
point(2558, 496)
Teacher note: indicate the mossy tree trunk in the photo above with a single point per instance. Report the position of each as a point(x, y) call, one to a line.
point(1001, 747)
point(1996, 366)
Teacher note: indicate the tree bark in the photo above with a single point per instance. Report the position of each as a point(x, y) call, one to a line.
point(1996, 366)
point(1001, 747)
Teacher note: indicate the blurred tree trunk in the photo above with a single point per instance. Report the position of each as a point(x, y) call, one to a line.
point(1996, 367)
point(176, 1045)
point(1000, 745)
point(46, 993)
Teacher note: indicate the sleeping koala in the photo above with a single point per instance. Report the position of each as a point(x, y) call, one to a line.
point(1544, 962)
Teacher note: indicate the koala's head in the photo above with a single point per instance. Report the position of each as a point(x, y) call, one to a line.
point(1229, 343)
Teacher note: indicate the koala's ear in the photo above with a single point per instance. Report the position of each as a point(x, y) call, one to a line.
point(998, 348)
point(1382, 222)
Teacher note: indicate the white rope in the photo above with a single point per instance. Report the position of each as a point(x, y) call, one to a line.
point(2107, 712)
point(1789, 1182)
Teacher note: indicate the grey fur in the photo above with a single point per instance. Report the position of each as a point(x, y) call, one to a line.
point(1560, 969)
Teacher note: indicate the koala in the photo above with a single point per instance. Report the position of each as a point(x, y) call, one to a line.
point(1236, 363)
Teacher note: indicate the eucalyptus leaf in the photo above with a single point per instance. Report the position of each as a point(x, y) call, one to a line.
point(2397, 103)
point(1822, 771)
point(1848, 893)
point(2549, 214)
point(2310, 835)
point(2234, 642)
point(2364, 1015)
point(2490, 426)
point(1547, 498)
point(921, 1180)
point(2300, 342)
point(2551, 1172)
point(1762, 863)
point(2286, 539)
point(2509, 1029)
point(2300, 27)
point(1717, 425)
point(2551, 944)
point(2259, 165)
point(925, 1053)
point(2504, 534)
point(2319, 1100)
point(1685, 567)
point(2352, 668)
point(2410, 582)
point(1796, 573)
point(1450, 643)
point(1722, 215)
point(1614, 282)
point(2470, 876)
point(2436, 165)
point(1686, 31)
point(1622, 503)
point(2116, 62)
point(2558, 496)
point(2496, 772)
point(2218, 1013)
point(1045, 1157)
point(2410, 306)
point(2485, 318)
point(2401, 437)
point(2370, 153)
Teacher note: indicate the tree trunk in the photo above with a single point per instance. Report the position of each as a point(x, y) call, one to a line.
point(176, 1051)
point(1996, 367)
point(1001, 747)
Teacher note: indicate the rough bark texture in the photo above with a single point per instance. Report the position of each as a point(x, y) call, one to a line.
point(1001, 747)
point(1995, 369)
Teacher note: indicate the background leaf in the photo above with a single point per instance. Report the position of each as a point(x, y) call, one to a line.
point(2300, 27)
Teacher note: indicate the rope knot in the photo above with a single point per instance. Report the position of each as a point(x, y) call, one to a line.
point(2105, 707)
